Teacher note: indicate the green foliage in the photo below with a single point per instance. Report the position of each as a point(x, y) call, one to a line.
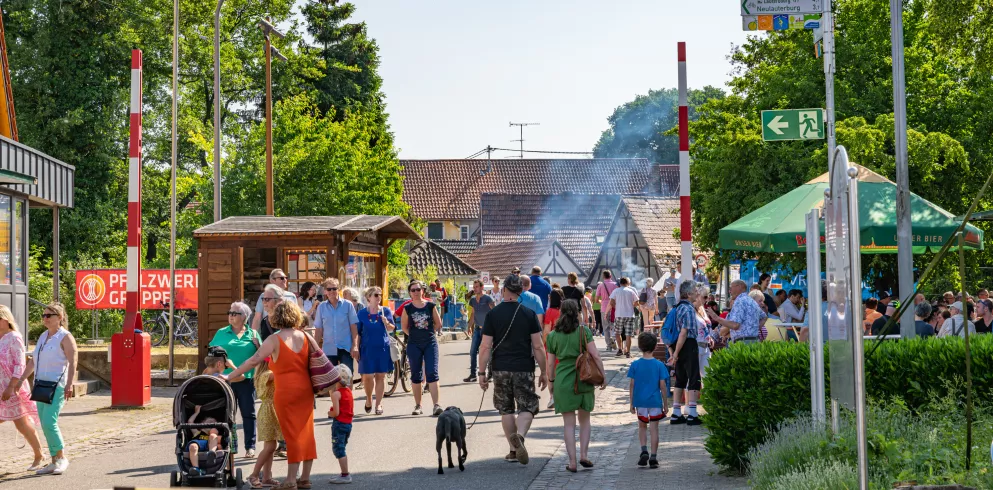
point(772, 380)
point(427, 276)
point(818, 475)
point(643, 128)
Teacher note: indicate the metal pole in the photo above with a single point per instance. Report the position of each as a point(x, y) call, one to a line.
point(855, 311)
point(828, 19)
point(816, 338)
point(217, 111)
point(905, 251)
point(172, 207)
point(56, 273)
point(269, 206)
point(968, 358)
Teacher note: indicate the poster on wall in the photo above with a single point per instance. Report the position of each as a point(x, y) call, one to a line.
point(104, 289)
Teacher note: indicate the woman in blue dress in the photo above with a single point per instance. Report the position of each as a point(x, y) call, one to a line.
point(375, 324)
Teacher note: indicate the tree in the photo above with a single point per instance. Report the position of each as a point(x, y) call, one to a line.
point(644, 127)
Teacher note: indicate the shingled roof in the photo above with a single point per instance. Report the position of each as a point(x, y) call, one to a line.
point(425, 253)
point(574, 220)
point(304, 225)
point(656, 218)
point(669, 180)
point(461, 248)
point(501, 258)
point(450, 189)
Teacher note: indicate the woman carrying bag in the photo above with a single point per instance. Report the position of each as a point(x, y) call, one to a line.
point(566, 344)
point(54, 367)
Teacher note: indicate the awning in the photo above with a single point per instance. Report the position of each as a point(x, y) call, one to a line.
point(11, 177)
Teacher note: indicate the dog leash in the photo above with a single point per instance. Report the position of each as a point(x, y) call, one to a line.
point(490, 361)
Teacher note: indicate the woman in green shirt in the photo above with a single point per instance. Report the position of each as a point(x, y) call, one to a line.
point(241, 343)
point(565, 344)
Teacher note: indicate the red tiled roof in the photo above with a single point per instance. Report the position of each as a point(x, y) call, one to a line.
point(425, 253)
point(501, 258)
point(656, 218)
point(574, 220)
point(450, 189)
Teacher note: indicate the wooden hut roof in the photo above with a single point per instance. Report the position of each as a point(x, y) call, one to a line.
point(390, 226)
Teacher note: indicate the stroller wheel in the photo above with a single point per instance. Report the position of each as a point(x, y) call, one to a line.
point(174, 480)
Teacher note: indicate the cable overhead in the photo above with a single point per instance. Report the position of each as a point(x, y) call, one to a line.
point(546, 151)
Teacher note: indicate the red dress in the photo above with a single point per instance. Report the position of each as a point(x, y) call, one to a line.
point(294, 402)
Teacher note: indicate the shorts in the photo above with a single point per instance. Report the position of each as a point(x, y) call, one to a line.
point(423, 358)
point(704, 362)
point(647, 415)
point(688, 367)
point(513, 392)
point(626, 326)
point(201, 444)
point(339, 437)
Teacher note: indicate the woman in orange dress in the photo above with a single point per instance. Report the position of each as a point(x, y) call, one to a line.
point(294, 400)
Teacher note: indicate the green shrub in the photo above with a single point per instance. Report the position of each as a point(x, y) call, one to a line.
point(795, 443)
point(752, 389)
point(818, 475)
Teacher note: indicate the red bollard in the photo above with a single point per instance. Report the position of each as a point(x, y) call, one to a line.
point(131, 366)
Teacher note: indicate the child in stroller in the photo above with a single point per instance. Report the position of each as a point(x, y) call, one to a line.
point(203, 440)
point(204, 416)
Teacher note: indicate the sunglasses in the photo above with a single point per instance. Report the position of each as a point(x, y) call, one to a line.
point(416, 290)
point(280, 278)
point(48, 315)
point(375, 295)
point(234, 313)
point(268, 299)
point(332, 289)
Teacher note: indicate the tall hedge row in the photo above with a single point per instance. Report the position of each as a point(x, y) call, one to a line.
point(750, 389)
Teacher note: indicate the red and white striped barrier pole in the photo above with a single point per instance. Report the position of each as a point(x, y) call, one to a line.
point(132, 318)
point(685, 235)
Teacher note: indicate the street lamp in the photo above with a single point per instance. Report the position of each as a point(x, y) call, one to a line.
point(270, 50)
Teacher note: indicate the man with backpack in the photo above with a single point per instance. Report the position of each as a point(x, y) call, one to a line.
point(603, 291)
point(679, 333)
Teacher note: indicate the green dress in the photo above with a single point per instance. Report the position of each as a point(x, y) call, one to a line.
point(566, 348)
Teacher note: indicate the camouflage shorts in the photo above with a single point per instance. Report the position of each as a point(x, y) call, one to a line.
point(513, 392)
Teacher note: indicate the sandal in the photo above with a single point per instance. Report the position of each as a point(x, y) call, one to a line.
point(269, 482)
point(254, 482)
point(379, 410)
point(304, 484)
point(368, 408)
point(285, 486)
point(570, 469)
point(585, 463)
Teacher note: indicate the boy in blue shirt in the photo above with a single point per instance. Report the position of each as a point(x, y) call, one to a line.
point(649, 383)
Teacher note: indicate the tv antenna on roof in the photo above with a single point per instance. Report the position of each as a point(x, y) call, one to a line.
point(521, 125)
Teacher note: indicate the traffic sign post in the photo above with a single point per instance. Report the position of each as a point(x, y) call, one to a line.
point(793, 124)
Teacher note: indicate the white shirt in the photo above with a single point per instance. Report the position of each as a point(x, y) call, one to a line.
point(50, 362)
point(625, 298)
point(790, 313)
point(953, 326)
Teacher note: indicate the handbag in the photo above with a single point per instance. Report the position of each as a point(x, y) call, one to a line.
point(394, 350)
point(44, 391)
point(587, 369)
point(643, 297)
point(322, 372)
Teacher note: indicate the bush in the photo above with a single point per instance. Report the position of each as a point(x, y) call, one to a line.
point(818, 475)
point(752, 389)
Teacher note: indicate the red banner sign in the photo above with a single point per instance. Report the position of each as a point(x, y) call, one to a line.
point(101, 289)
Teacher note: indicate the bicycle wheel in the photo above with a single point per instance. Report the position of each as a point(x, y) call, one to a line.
point(391, 379)
point(188, 336)
point(156, 331)
point(405, 373)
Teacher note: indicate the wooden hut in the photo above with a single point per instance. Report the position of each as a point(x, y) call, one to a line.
point(237, 254)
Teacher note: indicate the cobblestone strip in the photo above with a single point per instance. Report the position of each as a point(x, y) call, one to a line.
point(614, 449)
point(116, 429)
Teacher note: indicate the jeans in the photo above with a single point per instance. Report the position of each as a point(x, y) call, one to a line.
point(477, 338)
point(48, 415)
point(343, 357)
point(339, 438)
point(244, 393)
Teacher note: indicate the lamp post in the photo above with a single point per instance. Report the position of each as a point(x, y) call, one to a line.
point(270, 51)
point(217, 111)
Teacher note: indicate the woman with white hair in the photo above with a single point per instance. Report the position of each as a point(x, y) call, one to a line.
point(704, 331)
point(759, 297)
point(648, 304)
point(241, 343)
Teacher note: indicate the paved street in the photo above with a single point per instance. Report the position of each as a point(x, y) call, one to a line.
point(394, 450)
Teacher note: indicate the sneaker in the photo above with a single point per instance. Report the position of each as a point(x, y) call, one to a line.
point(653, 463)
point(643, 459)
point(250, 454)
point(471, 379)
point(281, 453)
point(691, 420)
point(627, 355)
point(341, 479)
point(522, 452)
point(417, 410)
point(620, 353)
point(437, 410)
point(678, 420)
point(511, 457)
point(551, 403)
point(61, 465)
point(47, 470)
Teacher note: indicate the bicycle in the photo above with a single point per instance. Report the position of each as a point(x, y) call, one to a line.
point(186, 330)
point(401, 370)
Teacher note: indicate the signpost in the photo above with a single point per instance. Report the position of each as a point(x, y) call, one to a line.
point(793, 124)
point(780, 22)
point(781, 7)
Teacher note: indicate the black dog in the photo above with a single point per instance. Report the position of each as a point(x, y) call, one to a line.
point(451, 427)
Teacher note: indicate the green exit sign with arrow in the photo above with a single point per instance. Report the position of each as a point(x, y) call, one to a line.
point(793, 124)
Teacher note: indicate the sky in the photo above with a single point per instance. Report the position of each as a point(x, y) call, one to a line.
point(457, 72)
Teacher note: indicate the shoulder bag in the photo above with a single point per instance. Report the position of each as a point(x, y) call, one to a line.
point(643, 297)
point(587, 369)
point(612, 310)
point(322, 374)
point(44, 391)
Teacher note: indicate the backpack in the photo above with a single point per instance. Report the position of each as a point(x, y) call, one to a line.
point(670, 330)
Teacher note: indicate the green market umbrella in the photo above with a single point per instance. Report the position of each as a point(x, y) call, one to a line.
point(780, 226)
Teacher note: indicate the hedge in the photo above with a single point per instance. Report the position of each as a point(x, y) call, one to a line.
point(751, 389)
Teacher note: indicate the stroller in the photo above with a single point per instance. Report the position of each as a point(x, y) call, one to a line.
point(216, 400)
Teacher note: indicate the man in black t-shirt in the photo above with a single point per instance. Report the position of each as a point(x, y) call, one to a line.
point(512, 333)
